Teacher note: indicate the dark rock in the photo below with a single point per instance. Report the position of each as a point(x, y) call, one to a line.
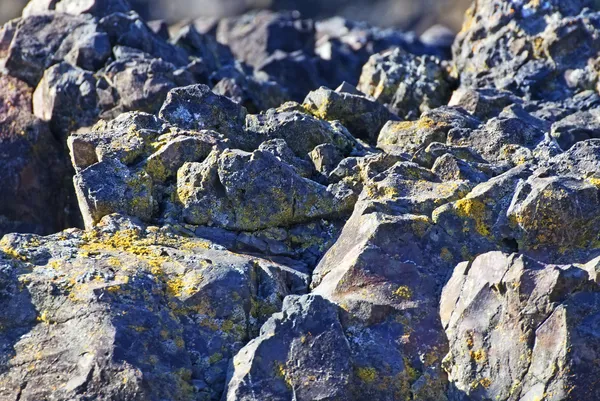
point(519, 328)
point(33, 167)
point(98, 8)
point(66, 98)
point(253, 38)
point(363, 117)
point(196, 108)
point(407, 84)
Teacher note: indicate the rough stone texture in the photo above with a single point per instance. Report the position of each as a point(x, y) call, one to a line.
point(213, 200)
point(407, 84)
point(32, 164)
point(543, 49)
point(519, 329)
point(363, 117)
point(153, 315)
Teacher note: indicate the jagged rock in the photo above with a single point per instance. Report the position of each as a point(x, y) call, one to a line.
point(530, 48)
point(129, 30)
point(110, 187)
point(477, 221)
point(408, 84)
point(483, 103)
point(33, 167)
point(555, 215)
point(98, 8)
point(196, 107)
point(519, 329)
point(141, 83)
point(502, 136)
point(577, 127)
point(252, 38)
point(301, 353)
point(296, 72)
point(302, 132)
point(251, 191)
point(153, 315)
point(364, 118)
point(35, 41)
point(407, 137)
point(66, 98)
point(255, 91)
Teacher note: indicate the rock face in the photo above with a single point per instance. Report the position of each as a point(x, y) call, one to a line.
point(253, 234)
point(520, 329)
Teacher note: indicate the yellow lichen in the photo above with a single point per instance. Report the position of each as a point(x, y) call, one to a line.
point(474, 209)
point(403, 292)
point(366, 374)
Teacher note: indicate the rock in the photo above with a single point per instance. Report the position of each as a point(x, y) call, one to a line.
point(35, 41)
point(66, 98)
point(296, 72)
point(129, 30)
point(301, 353)
point(483, 103)
point(33, 167)
point(231, 190)
point(528, 48)
point(408, 84)
point(252, 38)
point(519, 329)
point(363, 117)
point(577, 127)
point(255, 91)
point(109, 187)
point(196, 107)
point(98, 8)
point(153, 315)
point(141, 84)
point(551, 216)
point(302, 132)
point(407, 137)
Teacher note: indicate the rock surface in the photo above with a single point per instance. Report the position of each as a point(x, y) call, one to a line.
point(426, 231)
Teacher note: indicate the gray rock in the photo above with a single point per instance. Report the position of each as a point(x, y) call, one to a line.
point(301, 353)
point(363, 117)
point(577, 127)
point(197, 108)
point(302, 132)
point(35, 41)
point(152, 315)
point(66, 98)
point(408, 84)
point(98, 8)
point(519, 329)
point(250, 191)
point(110, 187)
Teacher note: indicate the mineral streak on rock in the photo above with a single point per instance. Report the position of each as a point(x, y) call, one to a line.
point(427, 231)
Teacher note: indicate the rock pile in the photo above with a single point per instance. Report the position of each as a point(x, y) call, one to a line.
point(428, 230)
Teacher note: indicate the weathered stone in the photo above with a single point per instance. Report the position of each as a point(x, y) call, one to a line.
point(577, 127)
point(66, 98)
point(33, 167)
point(152, 315)
point(408, 84)
point(301, 353)
point(254, 37)
point(409, 136)
point(302, 132)
point(35, 41)
point(519, 329)
point(196, 108)
point(110, 187)
point(98, 8)
point(364, 118)
point(250, 191)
